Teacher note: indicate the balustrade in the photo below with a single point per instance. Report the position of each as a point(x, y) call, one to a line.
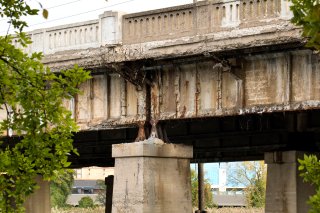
point(90, 34)
point(203, 17)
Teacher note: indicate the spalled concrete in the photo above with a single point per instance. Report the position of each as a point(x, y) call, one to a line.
point(151, 176)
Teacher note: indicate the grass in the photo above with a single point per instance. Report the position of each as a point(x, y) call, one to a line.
point(78, 210)
point(101, 210)
point(237, 210)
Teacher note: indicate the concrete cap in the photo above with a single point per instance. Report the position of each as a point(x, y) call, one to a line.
point(283, 156)
point(153, 147)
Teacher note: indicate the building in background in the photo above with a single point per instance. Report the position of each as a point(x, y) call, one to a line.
point(225, 194)
point(85, 183)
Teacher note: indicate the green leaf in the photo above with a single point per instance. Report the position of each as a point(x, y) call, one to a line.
point(45, 13)
point(35, 98)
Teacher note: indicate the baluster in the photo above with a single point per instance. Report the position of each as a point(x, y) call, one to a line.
point(147, 27)
point(171, 24)
point(216, 22)
point(270, 8)
point(97, 33)
point(66, 38)
point(165, 24)
point(153, 30)
point(177, 21)
point(85, 35)
point(183, 22)
point(159, 25)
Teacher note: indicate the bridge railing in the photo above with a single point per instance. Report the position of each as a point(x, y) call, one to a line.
point(201, 18)
point(104, 31)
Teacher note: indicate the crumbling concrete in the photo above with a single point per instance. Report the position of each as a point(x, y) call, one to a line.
point(157, 42)
point(151, 176)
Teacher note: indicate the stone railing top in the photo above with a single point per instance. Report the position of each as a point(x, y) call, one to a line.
point(82, 35)
point(185, 21)
point(163, 10)
point(201, 18)
point(64, 27)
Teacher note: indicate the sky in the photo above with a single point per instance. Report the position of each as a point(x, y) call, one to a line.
point(72, 11)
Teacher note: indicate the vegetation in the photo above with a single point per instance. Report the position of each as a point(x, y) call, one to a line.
point(207, 191)
point(61, 188)
point(31, 96)
point(307, 15)
point(101, 198)
point(310, 171)
point(86, 202)
point(252, 174)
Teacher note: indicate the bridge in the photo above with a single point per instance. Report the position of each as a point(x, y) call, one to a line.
point(231, 78)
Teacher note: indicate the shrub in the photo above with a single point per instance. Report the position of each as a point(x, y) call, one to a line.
point(86, 202)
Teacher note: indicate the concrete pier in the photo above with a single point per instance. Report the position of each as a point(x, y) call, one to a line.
point(286, 192)
point(151, 176)
point(39, 201)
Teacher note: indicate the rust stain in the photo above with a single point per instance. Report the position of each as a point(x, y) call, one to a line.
point(141, 133)
point(154, 101)
point(187, 85)
point(197, 95)
point(183, 112)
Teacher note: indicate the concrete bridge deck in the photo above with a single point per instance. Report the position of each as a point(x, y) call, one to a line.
point(229, 77)
point(235, 68)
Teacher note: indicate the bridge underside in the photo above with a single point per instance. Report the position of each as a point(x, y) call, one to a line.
point(215, 139)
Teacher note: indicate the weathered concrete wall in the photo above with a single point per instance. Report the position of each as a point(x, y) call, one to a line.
point(109, 98)
point(259, 83)
point(263, 37)
point(151, 176)
point(201, 18)
point(254, 84)
point(286, 192)
point(180, 22)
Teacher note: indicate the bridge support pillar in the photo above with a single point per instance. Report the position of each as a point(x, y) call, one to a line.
point(151, 176)
point(39, 201)
point(286, 192)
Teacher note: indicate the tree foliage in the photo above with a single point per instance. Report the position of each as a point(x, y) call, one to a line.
point(310, 172)
point(32, 98)
point(101, 198)
point(86, 202)
point(207, 191)
point(251, 174)
point(306, 13)
point(61, 188)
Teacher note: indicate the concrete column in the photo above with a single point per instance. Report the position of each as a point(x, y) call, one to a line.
point(151, 176)
point(39, 201)
point(286, 192)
